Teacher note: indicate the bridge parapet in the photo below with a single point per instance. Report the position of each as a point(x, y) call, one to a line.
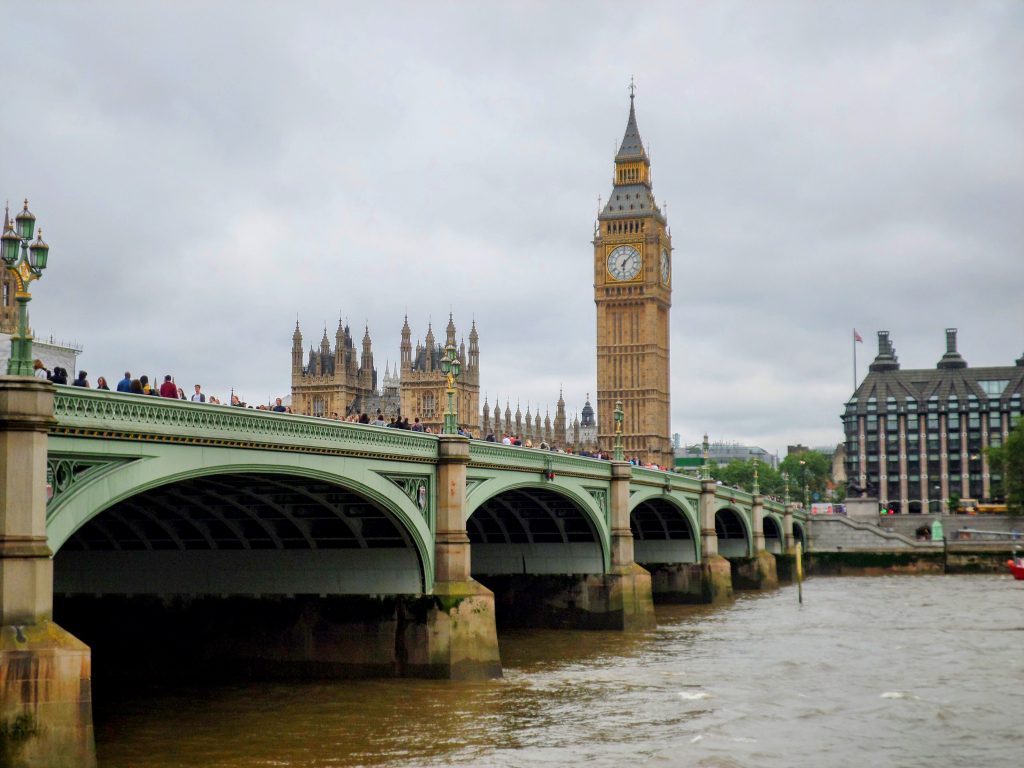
point(92, 413)
point(533, 459)
point(670, 481)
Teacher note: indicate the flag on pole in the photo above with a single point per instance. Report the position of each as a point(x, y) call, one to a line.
point(856, 336)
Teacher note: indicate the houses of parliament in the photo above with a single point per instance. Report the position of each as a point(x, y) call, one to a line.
point(632, 263)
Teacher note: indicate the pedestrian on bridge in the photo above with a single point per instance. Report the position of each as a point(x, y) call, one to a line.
point(168, 389)
point(125, 384)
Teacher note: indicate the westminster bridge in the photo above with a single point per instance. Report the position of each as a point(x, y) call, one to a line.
point(181, 536)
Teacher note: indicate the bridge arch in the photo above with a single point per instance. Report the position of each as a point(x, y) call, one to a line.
point(536, 527)
point(665, 530)
point(733, 531)
point(773, 539)
point(799, 534)
point(172, 474)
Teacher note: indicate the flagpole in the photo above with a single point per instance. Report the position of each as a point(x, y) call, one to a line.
point(854, 359)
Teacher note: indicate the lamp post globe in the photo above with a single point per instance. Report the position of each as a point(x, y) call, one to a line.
point(25, 222)
point(451, 367)
point(619, 415)
point(25, 260)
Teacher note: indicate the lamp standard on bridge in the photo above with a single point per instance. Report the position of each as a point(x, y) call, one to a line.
point(803, 479)
point(26, 263)
point(785, 480)
point(451, 367)
point(757, 487)
point(705, 468)
point(619, 415)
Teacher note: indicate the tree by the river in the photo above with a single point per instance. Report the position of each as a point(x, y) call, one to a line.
point(1009, 459)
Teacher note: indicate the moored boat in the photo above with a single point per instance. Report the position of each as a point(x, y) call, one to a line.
point(1016, 565)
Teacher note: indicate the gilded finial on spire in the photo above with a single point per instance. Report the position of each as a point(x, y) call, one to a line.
point(632, 88)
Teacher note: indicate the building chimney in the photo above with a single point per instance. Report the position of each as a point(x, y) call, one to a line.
point(886, 359)
point(952, 358)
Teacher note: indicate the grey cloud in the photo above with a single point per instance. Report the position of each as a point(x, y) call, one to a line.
point(205, 173)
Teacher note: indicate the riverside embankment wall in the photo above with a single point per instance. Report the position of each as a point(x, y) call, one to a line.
point(850, 547)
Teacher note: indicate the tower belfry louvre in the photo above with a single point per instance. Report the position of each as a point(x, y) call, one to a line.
point(633, 294)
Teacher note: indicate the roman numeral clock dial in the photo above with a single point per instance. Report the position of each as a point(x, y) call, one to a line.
point(624, 262)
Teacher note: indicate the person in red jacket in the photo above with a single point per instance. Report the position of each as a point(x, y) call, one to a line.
point(169, 388)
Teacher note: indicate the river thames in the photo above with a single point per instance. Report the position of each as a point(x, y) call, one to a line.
point(885, 671)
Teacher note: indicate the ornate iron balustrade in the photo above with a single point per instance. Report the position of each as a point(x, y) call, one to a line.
point(535, 459)
point(93, 413)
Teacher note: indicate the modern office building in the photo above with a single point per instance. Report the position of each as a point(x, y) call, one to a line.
point(722, 453)
point(914, 438)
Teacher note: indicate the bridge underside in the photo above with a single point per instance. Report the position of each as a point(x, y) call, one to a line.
point(532, 531)
point(543, 558)
point(732, 534)
point(240, 534)
point(662, 534)
point(773, 536)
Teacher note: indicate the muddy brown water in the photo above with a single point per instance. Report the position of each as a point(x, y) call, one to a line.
point(883, 671)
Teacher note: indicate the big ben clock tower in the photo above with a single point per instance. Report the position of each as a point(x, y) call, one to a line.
point(633, 294)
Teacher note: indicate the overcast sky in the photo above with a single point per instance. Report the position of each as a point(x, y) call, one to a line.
point(204, 173)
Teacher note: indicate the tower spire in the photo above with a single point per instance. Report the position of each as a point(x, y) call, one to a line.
point(632, 147)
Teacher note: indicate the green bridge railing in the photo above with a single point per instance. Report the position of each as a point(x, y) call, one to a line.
point(113, 415)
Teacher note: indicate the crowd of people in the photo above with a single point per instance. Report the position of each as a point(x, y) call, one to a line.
point(142, 386)
point(170, 389)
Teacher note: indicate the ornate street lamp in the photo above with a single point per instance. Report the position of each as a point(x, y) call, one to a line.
point(757, 488)
point(25, 260)
point(705, 468)
point(785, 478)
point(619, 416)
point(451, 367)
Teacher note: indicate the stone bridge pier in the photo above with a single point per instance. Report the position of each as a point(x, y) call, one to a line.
point(464, 635)
point(629, 585)
point(45, 673)
point(716, 572)
point(758, 571)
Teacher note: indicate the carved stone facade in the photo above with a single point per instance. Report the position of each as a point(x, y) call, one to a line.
point(338, 381)
point(423, 385)
point(8, 309)
point(633, 294)
point(332, 381)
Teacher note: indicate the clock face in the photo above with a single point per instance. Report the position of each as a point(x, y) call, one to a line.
point(666, 271)
point(624, 262)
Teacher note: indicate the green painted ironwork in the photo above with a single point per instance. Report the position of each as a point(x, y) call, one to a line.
point(619, 414)
point(601, 499)
point(451, 367)
point(25, 260)
point(419, 489)
point(64, 473)
point(139, 417)
point(106, 447)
